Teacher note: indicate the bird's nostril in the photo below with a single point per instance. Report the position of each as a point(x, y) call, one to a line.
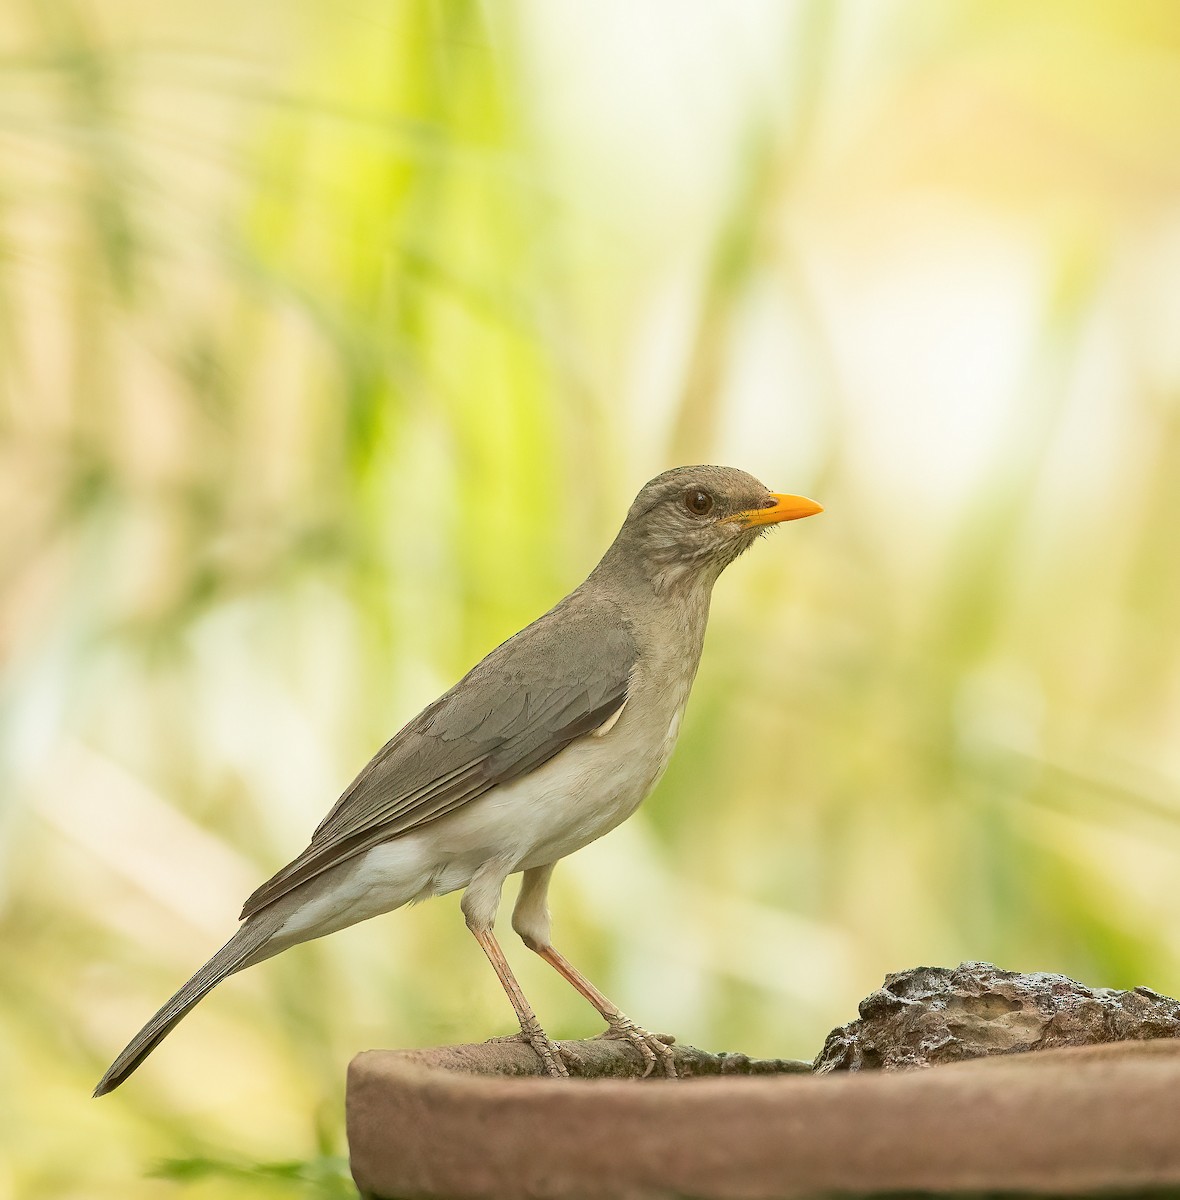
point(769, 503)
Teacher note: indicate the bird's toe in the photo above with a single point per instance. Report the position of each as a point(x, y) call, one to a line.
point(654, 1047)
point(552, 1055)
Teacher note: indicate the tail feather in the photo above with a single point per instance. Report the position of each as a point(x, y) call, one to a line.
point(233, 956)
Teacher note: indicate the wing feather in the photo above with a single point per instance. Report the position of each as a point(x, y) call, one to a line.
point(555, 681)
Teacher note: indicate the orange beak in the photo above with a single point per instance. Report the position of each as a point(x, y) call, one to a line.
point(777, 508)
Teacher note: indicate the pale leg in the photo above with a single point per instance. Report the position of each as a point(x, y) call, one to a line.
point(479, 908)
point(530, 919)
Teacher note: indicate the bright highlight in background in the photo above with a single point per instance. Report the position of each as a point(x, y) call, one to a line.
point(334, 341)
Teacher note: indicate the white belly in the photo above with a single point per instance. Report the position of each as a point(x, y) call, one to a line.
point(577, 796)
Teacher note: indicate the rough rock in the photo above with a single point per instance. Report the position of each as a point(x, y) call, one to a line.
point(931, 1015)
point(599, 1058)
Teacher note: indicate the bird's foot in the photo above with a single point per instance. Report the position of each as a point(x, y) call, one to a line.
point(552, 1055)
point(655, 1047)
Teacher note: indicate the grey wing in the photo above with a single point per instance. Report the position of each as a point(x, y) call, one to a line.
point(555, 681)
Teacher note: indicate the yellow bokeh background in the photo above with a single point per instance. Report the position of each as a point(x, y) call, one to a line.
point(335, 340)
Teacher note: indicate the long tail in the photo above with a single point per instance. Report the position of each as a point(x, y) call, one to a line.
point(234, 955)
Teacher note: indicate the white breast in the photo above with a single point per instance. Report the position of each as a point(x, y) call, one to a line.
point(571, 800)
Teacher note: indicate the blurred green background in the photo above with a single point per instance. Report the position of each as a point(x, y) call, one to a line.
point(335, 340)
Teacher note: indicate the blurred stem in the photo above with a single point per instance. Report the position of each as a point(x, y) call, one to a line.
point(1143, 665)
point(770, 160)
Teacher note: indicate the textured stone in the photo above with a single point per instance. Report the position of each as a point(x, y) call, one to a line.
point(600, 1058)
point(931, 1015)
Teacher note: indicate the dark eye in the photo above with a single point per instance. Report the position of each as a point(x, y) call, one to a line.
point(697, 502)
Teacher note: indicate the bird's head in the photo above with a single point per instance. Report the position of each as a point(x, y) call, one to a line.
point(692, 522)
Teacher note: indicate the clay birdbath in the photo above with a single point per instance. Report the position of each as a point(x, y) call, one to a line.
point(870, 1118)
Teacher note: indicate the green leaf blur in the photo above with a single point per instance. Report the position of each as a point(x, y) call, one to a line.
point(334, 342)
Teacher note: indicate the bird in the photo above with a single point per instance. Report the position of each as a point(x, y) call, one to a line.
point(549, 742)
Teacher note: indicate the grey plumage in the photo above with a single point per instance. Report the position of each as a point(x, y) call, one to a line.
point(232, 957)
point(570, 723)
point(510, 713)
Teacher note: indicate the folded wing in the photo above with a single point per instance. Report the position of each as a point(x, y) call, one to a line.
point(555, 681)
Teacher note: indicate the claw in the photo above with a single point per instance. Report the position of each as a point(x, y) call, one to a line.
point(571, 1057)
point(654, 1047)
point(552, 1055)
